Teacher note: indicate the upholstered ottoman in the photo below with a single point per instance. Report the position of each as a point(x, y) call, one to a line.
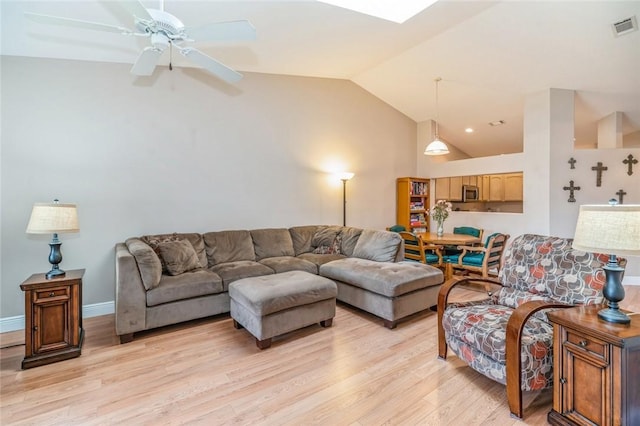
point(270, 305)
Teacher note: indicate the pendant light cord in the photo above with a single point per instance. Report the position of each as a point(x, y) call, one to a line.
point(437, 80)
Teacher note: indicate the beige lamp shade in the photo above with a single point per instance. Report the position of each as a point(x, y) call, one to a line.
point(608, 229)
point(53, 218)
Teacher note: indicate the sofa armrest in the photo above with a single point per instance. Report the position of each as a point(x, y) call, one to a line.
point(131, 300)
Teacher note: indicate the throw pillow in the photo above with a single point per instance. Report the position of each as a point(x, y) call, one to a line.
point(179, 256)
point(333, 248)
point(154, 242)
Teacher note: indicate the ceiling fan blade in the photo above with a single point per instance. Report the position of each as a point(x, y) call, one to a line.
point(137, 9)
point(223, 31)
point(68, 22)
point(147, 61)
point(214, 67)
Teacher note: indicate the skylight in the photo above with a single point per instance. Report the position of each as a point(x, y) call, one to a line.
point(391, 10)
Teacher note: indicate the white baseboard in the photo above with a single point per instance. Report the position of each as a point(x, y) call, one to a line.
point(631, 281)
point(88, 311)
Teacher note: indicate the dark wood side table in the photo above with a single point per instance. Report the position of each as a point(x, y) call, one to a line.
point(596, 369)
point(53, 318)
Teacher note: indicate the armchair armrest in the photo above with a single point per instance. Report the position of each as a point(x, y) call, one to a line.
point(443, 297)
point(515, 327)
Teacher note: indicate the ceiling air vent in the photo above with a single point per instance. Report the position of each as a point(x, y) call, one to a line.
point(625, 26)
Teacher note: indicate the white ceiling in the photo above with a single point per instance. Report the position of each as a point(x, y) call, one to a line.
point(490, 55)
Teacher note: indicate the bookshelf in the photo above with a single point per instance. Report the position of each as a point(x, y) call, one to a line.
point(412, 203)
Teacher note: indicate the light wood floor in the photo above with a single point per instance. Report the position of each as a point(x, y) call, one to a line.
point(206, 372)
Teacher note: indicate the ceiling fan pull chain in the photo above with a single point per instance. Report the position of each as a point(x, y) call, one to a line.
point(170, 56)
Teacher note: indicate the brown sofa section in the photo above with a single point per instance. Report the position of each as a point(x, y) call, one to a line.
point(148, 295)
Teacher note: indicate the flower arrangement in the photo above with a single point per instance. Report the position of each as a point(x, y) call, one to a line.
point(440, 212)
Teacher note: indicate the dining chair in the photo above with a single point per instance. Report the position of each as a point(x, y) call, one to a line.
point(480, 259)
point(507, 337)
point(417, 250)
point(464, 230)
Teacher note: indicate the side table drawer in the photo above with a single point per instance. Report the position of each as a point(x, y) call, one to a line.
point(51, 294)
point(595, 346)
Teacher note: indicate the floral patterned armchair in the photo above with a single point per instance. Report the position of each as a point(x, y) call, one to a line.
point(507, 337)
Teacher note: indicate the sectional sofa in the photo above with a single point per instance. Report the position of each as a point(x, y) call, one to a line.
point(170, 278)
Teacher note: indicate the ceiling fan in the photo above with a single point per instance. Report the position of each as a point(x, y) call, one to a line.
point(165, 30)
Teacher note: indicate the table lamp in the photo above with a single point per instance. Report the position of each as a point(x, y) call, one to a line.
point(615, 230)
point(53, 218)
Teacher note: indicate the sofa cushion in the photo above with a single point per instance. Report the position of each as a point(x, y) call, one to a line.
point(381, 246)
point(228, 246)
point(301, 237)
point(148, 262)
point(195, 239)
point(350, 238)
point(231, 271)
point(179, 256)
point(185, 286)
point(289, 263)
point(274, 293)
point(320, 259)
point(272, 243)
point(387, 279)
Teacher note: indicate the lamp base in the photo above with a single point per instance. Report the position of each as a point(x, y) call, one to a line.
point(613, 292)
point(55, 273)
point(613, 315)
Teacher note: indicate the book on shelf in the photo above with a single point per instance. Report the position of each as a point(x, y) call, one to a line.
point(420, 229)
point(419, 188)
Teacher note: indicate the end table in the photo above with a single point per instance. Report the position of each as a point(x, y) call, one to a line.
point(596, 369)
point(53, 318)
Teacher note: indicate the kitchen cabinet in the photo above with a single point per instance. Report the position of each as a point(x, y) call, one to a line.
point(505, 187)
point(442, 188)
point(455, 188)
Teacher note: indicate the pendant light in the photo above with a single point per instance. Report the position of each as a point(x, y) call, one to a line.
point(437, 147)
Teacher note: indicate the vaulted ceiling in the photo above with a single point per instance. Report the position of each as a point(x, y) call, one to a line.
point(490, 55)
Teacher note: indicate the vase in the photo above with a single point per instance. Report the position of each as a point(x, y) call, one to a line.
point(440, 230)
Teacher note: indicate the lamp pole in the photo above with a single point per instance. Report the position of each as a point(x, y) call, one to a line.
point(344, 177)
point(344, 202)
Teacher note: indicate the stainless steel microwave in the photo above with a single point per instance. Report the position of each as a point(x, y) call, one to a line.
point(470, 193)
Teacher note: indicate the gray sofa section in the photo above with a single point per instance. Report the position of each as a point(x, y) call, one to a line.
point(160, 280)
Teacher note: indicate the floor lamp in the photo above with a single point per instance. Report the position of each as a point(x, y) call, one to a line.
point(344, 177)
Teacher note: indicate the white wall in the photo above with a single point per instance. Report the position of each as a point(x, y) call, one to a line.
point(183, 152)
point(548, 145)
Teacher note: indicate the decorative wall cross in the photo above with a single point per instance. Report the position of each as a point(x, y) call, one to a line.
point(571, 188)
point(599, 169)
point(630, 161)
point(621, 195)
point(572, 161)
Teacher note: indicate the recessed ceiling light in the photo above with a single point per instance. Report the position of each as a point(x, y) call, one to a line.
point(468, 130)
point(496, 123)
point(391, 10)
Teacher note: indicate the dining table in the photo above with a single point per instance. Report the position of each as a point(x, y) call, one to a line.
point(448, 239)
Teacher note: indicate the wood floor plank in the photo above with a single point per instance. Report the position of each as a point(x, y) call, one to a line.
point(356, 372)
